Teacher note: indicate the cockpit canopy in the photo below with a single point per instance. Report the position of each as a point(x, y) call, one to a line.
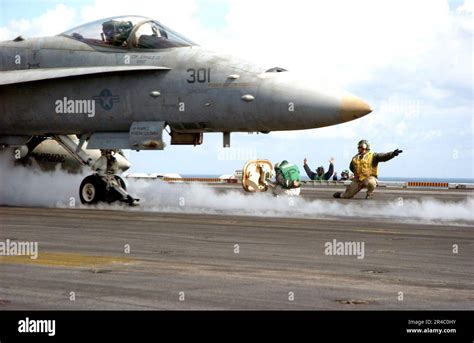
point(130, 32)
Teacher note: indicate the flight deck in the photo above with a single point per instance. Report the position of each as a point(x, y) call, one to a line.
point(177, 252)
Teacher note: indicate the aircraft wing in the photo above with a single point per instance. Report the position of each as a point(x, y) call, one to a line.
point(28, 75)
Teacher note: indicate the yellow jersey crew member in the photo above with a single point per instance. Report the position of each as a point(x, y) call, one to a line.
point(364, 165)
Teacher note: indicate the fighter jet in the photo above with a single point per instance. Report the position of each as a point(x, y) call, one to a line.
point(121, 83)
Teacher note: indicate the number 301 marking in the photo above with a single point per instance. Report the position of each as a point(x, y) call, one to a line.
point(200, 75)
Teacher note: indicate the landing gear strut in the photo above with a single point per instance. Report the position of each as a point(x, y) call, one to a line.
point(103, 186)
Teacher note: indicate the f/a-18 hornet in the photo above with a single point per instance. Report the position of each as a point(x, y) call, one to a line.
point(121, 83)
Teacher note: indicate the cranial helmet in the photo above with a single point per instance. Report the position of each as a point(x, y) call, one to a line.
point(280, 164)
point(365, 144)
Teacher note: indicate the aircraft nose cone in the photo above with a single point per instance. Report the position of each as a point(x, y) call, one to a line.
point(353, 107)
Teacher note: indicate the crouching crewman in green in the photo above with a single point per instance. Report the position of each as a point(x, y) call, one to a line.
point(364, 165)
point(288, 179)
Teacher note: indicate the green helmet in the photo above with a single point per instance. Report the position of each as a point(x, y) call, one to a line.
point(280, 164)
point(366, 142)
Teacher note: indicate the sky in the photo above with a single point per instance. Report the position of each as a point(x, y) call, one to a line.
point(410, 59)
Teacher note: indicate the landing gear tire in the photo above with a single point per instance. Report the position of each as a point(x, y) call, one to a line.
point(92, 190)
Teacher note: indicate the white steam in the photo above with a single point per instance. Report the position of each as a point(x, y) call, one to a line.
point(194, 198)
point(21, 186)
point(29, 186)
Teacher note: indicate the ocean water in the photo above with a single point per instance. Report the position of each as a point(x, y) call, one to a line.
point(399, 179)
point(427, 179)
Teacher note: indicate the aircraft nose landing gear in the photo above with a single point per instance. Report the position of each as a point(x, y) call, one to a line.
point(103, 186)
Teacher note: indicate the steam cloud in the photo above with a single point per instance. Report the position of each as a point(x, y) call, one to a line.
point(21, 186)
point(162, 197)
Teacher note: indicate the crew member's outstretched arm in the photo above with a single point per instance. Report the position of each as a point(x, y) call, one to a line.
point(384, 157)
point(328, 175)
point(309, 172)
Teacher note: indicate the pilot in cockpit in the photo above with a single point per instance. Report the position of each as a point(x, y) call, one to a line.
point(116, 33)
point(153, 37)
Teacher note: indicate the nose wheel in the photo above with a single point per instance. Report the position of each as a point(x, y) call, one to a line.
point(92, 190)
point(105, 185)
point(108, 188)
